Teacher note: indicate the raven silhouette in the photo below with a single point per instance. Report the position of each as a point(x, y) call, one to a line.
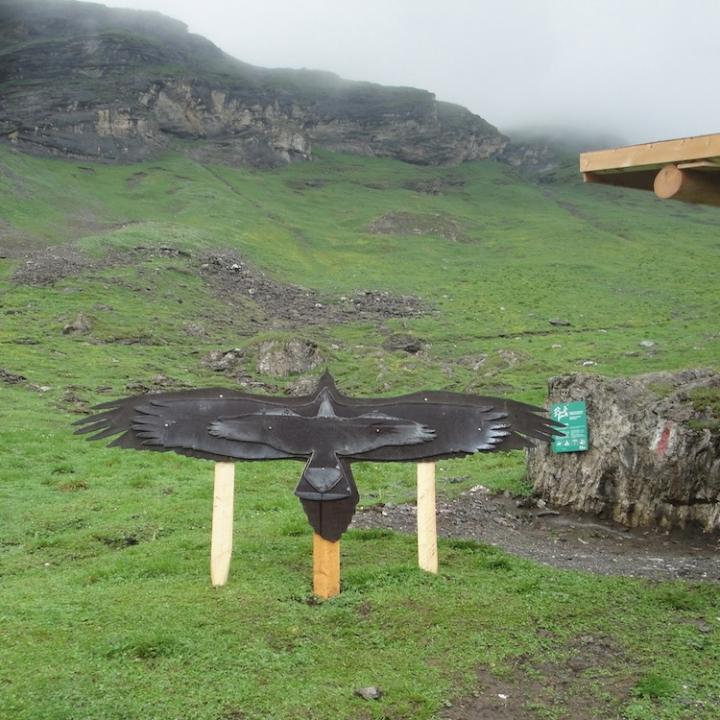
point(326, 429)
point(330, 436)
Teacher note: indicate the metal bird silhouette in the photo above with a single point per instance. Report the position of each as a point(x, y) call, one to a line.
point(326, 429)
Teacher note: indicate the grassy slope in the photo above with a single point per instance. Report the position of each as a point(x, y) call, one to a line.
point(106, 609)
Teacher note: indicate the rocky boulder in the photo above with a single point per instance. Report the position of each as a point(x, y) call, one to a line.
point(282, 358)
point(81, 325)
point(654, 457)
point(226, 361)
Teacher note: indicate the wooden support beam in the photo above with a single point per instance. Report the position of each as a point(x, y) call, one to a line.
point(712, 164)
point(222, 523)
point(641, 180)
point(426, 517)
point(692, 186)
point(655, 154)
point(326, 567)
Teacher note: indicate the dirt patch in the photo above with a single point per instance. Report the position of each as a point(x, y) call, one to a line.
point(48, 265)
point(375, 185)
point(74, 401)
point(11, 378)
point(404, 223)
point(434, 186)
point(159, 383)
point(405, 343)
point(231, 713)
point(118, 542)
point(589, 682)
point(236, 282)
point(233, 281)
point(559, 538)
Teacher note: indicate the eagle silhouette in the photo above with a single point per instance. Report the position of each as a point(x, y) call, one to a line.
point(326, 429)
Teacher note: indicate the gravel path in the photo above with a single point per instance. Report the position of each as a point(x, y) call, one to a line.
point(561, 539)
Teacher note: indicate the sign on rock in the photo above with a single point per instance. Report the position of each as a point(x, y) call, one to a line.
point(573, 416)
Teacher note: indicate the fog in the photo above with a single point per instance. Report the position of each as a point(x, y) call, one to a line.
point(636, 70)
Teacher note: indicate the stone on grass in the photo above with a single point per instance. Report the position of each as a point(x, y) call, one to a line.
point(303, 386)
point(369, 693)
point(227, 361)
point(81, 325)
point(11, 378)
point(281, 358)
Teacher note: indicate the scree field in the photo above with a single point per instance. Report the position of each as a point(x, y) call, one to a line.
point(106, 610)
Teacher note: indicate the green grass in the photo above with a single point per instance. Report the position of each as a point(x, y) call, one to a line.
point(106, 610)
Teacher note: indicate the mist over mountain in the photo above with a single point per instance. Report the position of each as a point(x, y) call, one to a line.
point(86, 81)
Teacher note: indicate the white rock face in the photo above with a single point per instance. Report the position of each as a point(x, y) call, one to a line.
point(654, 457)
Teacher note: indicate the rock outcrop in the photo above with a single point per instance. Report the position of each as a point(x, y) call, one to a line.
point(82, 80)
point(654, 457)
point(291, 357)
point(536, 157)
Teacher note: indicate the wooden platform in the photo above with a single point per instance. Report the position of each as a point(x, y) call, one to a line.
point(686, 169)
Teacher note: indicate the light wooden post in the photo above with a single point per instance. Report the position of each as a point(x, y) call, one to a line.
point(326, 567)
point(222, 523)
point(426, 520)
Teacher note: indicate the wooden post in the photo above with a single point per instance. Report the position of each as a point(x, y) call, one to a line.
point(426, 520)
point(326, 567)
point(222, 523)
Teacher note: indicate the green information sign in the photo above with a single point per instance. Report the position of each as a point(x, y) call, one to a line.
point(574, 416)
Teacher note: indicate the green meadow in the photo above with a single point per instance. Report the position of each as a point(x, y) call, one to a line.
point(106, 610)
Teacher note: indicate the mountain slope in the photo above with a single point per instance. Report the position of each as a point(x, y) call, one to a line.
point(164, 260)
point(620, 267)
point(79, 79)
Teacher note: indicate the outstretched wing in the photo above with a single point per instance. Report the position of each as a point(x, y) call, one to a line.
point(463, 424)
point(179, 421)
point(299, 435)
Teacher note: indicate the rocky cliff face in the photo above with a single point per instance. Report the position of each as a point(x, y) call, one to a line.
point(82, 80)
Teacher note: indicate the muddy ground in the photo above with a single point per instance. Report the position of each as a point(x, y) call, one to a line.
point(561, 538)
point(565, 688)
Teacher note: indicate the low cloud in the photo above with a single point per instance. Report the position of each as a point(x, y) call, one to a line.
point(640, 70)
